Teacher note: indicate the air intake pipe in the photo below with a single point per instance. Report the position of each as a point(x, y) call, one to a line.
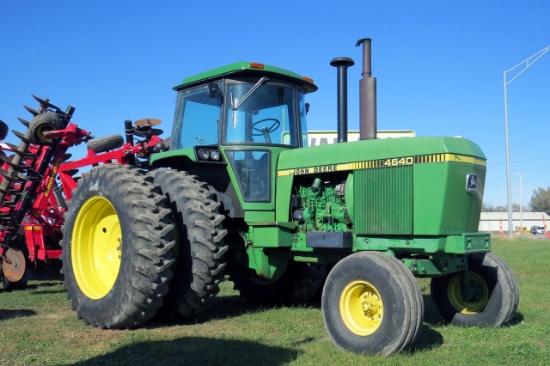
point(367, 95)
point(342, 63)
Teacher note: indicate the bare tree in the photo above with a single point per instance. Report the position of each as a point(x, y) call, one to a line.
point(501, 208)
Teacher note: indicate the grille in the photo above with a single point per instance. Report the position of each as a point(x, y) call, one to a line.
point(383, 201)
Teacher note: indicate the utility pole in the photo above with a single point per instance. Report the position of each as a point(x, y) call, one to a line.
point(527, 63)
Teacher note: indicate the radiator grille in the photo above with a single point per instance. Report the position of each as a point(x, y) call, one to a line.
point(383, 201)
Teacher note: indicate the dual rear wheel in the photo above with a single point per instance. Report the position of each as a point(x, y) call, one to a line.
point(200, 254)
point(117, 247)
point(136, 245)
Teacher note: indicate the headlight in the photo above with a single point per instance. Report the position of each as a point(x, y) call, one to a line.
point(203, 154)
point(215, 154)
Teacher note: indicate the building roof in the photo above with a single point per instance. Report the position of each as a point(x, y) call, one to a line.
point(526, 216)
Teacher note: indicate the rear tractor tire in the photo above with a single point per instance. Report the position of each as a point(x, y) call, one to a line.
point(200, 258)
point(491, 300)
point(372, 304)
point(117, 248)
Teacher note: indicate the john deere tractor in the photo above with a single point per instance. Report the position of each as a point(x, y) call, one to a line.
point(238, 194)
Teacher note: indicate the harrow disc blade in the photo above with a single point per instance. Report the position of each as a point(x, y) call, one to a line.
point(15, 265)
point(22, 137)
point(147, 122)
point(16, 150)
point(24, 122)
point(45, 103)
point(33, 111)
point(17, 167)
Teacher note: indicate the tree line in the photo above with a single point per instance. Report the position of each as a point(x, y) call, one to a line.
point(540, 202)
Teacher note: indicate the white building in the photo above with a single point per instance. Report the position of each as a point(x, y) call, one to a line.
point(492, 221)
point(331, 137)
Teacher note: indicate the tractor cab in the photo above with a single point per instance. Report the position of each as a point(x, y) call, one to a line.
point(242, 116)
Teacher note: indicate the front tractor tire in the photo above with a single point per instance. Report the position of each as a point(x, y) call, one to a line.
point(117, 248)
point(200, 258)
point(372, 304)
point(491, 299)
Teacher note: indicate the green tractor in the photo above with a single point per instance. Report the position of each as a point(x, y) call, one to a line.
point(238, 194)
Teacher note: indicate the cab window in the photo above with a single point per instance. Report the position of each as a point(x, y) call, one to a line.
point(264, 115)
point(197, 119)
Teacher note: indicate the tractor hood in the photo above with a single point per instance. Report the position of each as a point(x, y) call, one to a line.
point(381, 151)
point(389, 182)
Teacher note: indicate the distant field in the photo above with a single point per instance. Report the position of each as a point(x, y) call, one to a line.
point(37, 327)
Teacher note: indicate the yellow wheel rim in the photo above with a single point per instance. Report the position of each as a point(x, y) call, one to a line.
point(40, 133)
point(476, 297)
point(96, 247)
point(361, 308)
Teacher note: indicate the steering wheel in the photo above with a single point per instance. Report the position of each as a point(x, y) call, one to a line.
point(264, 131)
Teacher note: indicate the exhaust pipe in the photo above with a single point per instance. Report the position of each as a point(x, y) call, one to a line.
point(367, 95)
point(342, 63)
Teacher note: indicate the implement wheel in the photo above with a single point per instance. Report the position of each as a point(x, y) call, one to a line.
point(117, 248)
point(4, 129)
point(200, 250)
point(8, 286)
point(16, 270)
point(46, 122)
point(491, 299)
point(106, 143)
point(372, 304)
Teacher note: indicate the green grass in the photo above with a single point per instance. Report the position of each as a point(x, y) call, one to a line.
point(37, 327)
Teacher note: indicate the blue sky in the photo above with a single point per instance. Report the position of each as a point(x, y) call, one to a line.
point(439, 64)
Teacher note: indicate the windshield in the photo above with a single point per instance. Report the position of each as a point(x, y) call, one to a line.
point(197, 118)
point(261, 113)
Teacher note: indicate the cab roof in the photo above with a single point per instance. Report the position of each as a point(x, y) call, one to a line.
point(239, 69)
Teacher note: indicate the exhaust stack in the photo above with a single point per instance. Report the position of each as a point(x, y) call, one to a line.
point(367, 95)
point(342, 63)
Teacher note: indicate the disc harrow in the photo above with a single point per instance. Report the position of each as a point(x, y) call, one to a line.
point(37, 178)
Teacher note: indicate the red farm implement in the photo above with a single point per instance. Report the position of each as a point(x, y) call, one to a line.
point(37, 178)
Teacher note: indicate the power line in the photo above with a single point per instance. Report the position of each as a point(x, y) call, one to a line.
point(521, 161)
